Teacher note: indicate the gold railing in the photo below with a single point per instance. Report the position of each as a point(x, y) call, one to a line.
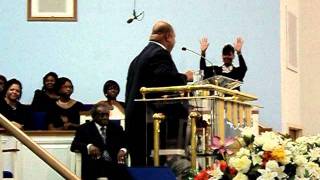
point(230, 105)
point(237, 95)
point(38, 150)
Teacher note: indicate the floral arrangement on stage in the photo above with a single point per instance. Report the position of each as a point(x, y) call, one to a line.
point(267, 156)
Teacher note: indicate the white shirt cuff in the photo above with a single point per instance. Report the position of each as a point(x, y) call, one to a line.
point(88, 146)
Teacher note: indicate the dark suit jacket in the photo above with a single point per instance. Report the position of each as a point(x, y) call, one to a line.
point(153, 67)
point(89, 134)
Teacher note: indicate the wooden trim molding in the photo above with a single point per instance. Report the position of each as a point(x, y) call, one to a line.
point(43, 133)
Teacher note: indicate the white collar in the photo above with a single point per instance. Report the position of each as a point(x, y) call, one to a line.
point(99, 126)
point(227, 69)
point(161, 45)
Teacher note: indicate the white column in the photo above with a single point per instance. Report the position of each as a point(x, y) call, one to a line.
point(1, 159)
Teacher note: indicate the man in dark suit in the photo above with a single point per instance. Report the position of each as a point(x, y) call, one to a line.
point(153, 67)
point(102, 146)
point(228, 54)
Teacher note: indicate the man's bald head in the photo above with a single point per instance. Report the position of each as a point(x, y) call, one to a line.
point(160, 28)
point(163, 33)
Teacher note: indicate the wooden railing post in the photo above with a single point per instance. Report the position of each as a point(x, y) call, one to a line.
point(248, 112)
point(1, 158)
point(235, 114)
point(38, 150)
point(220, 119)
point(229, 110)
point(240, 114)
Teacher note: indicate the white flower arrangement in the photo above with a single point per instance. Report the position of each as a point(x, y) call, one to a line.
point(269, 156)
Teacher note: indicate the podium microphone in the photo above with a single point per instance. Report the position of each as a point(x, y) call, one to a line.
point(186, 49)
point(130, 20)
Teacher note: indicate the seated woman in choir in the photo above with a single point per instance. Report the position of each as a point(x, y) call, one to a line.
point(45, 97)
point(111, 90)
point(3, 81)
point(19, 114)
point(64, 114)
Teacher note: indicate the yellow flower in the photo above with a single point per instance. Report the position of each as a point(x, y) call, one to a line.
point(278, 154)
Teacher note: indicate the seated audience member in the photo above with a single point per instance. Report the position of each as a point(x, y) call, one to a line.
point(102, 146)
point(47, 95)
point(3, 81)
point(111, 90)
point(11, 108)
point(64, 114)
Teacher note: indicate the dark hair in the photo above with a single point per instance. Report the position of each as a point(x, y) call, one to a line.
point(108, 84)
point(60, 82)
point(10, 83)
point(3, 78)
point(227, 49)
point(53, 74)
point(94, 111)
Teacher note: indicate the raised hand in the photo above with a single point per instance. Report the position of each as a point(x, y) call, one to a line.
point(204, 44)
point(238, 44)
point(189, 75)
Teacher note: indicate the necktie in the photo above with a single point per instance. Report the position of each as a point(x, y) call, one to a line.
point(105, 153)
point(103, 133)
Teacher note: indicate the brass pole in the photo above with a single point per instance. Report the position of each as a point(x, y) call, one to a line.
point(193, 116)
point(157, 118)
point(38, 150)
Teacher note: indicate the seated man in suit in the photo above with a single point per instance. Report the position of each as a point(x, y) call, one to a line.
point(102, 146)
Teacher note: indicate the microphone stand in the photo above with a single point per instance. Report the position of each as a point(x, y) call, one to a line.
point(186, 49)
point(134, 14)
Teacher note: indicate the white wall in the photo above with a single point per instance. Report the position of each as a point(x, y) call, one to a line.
point(300, 100)
point(310, 62)
point(290, 76)
point(100, 45)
